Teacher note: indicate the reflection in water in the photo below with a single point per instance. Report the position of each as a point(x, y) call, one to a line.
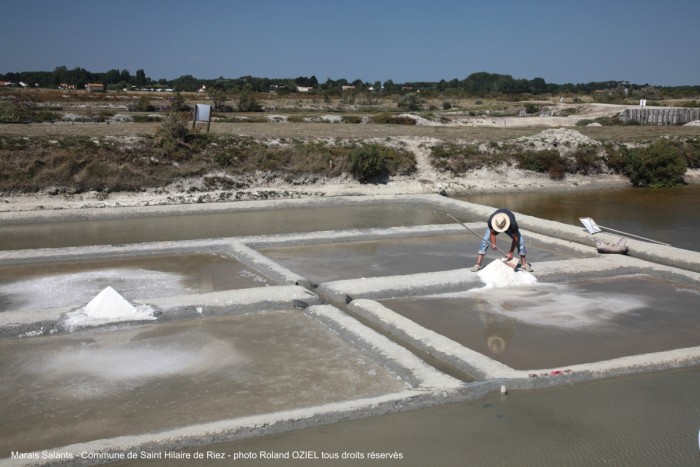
point(661, 214)
point(498, 330)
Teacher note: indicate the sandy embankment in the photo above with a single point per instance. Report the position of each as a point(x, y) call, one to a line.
point(426, 180)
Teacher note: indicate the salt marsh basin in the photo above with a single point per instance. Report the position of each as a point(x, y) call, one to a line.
point(350, 308)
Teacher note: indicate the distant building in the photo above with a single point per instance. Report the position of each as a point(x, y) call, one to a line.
point(6, 83)
point(66, 86)
point(95, 87)
point(348, 87)
point(305, 88)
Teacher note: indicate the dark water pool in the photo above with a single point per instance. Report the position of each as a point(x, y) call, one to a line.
point(668, 215)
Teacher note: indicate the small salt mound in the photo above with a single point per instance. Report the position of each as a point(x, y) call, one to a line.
point(107, 307)
point(498, 274)
point(109, 303)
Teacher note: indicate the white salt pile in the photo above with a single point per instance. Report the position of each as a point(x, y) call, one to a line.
point(498, 274)
point(107, 307)
point(552, 305)
point(556, 305)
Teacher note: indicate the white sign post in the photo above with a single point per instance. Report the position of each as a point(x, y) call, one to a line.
point(202, 113)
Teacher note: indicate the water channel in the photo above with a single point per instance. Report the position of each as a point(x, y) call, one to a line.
point(212, 225)
point(642, 421)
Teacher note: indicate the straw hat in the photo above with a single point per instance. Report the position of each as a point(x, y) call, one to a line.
point(500, 222)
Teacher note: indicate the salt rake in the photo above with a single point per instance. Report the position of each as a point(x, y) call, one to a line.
point(594, 228)
point(513, 263)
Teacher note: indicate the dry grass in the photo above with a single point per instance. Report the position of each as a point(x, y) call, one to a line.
point(88, 163)
point(87, 156)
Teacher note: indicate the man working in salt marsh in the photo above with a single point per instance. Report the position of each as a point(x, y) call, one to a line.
point(503, 220)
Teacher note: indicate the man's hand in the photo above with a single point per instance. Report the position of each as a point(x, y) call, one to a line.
point(509, 255)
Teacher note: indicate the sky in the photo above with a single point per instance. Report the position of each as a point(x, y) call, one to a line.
point(562, 41)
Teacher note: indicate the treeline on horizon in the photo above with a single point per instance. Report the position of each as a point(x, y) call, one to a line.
point(480, 83)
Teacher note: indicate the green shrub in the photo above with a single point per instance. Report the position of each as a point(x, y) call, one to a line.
point(411, 102)
point(237, 154)
point(247, 102)
point(178, 103)
point(692, 153)
point(616, 157)
point(368, 163)
point(400, 162)
point(609, 121)
point(532, 109)
point(25, 111)
point(457, 159)
point(316, 158)
point(224, 159)
point(14, 143)
point(9, 112)
point(78, 144)
point(393, 119)
point(143, 104)
point(45, 116)
point(146, 118)
point(586, 160)
point(171, 136)
point(689, 150)
point(657, 165)
point(352, 119)
point(547, 161)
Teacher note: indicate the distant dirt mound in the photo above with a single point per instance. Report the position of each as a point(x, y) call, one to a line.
point(562, 139)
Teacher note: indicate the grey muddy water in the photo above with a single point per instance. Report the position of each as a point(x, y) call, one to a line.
point(63, 389)
point(281, 359)
point(556, 325)
point(212, 225)
point(641, 421)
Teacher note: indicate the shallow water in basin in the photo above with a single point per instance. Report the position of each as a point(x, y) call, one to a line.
point(89, 385)
point(214, 225)
point(375, 258)
point(642, 421)
point(74, 284)
point(557, 325)
point(62, 389)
